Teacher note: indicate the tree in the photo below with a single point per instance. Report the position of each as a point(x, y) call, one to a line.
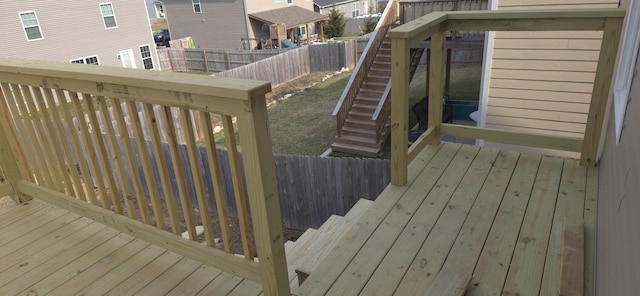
point(334, 26)
point(369, 24)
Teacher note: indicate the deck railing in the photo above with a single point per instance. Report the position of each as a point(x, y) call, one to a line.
point(51, 148)
point(435, 26)
point(388, 17)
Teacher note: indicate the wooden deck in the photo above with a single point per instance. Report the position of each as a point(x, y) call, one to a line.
point(480, 220)
point(46, 250)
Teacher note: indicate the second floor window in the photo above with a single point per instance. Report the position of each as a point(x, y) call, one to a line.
point(108, 15)
point(355, 9)
point(31, 25)
point(92, 60)
point(196, 6)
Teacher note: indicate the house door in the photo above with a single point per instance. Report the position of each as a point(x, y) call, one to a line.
point(126, 57)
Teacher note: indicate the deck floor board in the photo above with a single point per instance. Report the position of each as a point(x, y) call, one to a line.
point(488, 229)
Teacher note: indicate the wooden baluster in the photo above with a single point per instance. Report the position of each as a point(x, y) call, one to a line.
point(12, 158)
point(66, 148)
point(131, 159)
point(179, 173)
point(103, 156)
point(214, 168)
point(55, 150)
point(238, 188)
point(90, 155)
point(47, 156)
point(87, 184)
point(196, 172)
point(28, 136)
point(436, 78)
point(145, 161)
point(163, 170)
point(115, 152)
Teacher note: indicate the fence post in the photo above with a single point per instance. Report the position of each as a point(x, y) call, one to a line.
point(206, 62)
point(169, 54)
point(228, 60)
point(12, 159)
point(260, 174)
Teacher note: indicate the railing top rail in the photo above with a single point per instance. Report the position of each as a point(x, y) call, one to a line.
point(509, 20)
point(175, 83)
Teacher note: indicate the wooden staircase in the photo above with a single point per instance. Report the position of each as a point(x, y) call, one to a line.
point(360, 132)
point(312, 247)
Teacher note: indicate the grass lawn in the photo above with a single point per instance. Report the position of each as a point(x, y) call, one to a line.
point(158, 24)
point(302, 124)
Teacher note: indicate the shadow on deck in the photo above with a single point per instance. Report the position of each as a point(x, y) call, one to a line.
point(477, 220)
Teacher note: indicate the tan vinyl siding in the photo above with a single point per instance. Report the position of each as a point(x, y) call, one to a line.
point(75, 29)
point(221, 24)
point(542, 81)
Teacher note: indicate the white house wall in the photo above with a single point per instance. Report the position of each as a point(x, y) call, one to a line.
point(75, 29)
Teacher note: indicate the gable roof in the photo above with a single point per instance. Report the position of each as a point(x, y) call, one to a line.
point(292, 16)
point(328, 3)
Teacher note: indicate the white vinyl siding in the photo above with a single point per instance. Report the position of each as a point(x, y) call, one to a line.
point(90, 60)
point(145, 54)
point(627, 61)
point(541, 82)
point(108, 15)
point(196, 6)
point(31, 26)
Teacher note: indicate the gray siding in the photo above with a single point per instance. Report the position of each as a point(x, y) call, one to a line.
point(618, 223)
point(74, 29)
point(220, 25)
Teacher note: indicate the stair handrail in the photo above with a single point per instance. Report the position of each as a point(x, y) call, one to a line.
point(388, 17)
point(382, 112)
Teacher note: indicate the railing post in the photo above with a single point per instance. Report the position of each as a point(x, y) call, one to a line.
point(12, 160)
point(259, 168)
point(399, 110)
point(600, 93)
point(436, 81)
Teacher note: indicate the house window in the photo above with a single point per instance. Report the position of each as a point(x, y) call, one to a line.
point(31, 25)
point(365, 7)
point(108, 16)
point(355, 9)
point(145, 53)
point(90, 60)
point(626, 68)
point(341, 9)
point(289, 1)
point(196, 6)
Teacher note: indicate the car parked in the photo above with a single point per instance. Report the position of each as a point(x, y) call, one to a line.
point(162, 37)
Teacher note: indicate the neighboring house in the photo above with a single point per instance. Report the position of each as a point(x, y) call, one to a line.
point(540, 81)
point(155, 9)
point(112, 33)
point(223, 24)
point(617, 234)
point(350, 8)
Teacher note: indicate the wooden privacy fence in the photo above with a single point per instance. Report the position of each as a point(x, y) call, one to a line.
point(311, 188)
point(38, 163)
point(298, 62)
point(210, 60)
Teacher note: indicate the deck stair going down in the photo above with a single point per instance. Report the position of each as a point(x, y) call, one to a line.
point(363, 111)
point(312, 247)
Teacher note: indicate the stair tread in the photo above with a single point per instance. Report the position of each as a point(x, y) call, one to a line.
point(323, 248)
point(359, 130)
point(356, 149)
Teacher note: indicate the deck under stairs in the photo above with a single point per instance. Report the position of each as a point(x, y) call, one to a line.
point(312, 247)
point(359, 133)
